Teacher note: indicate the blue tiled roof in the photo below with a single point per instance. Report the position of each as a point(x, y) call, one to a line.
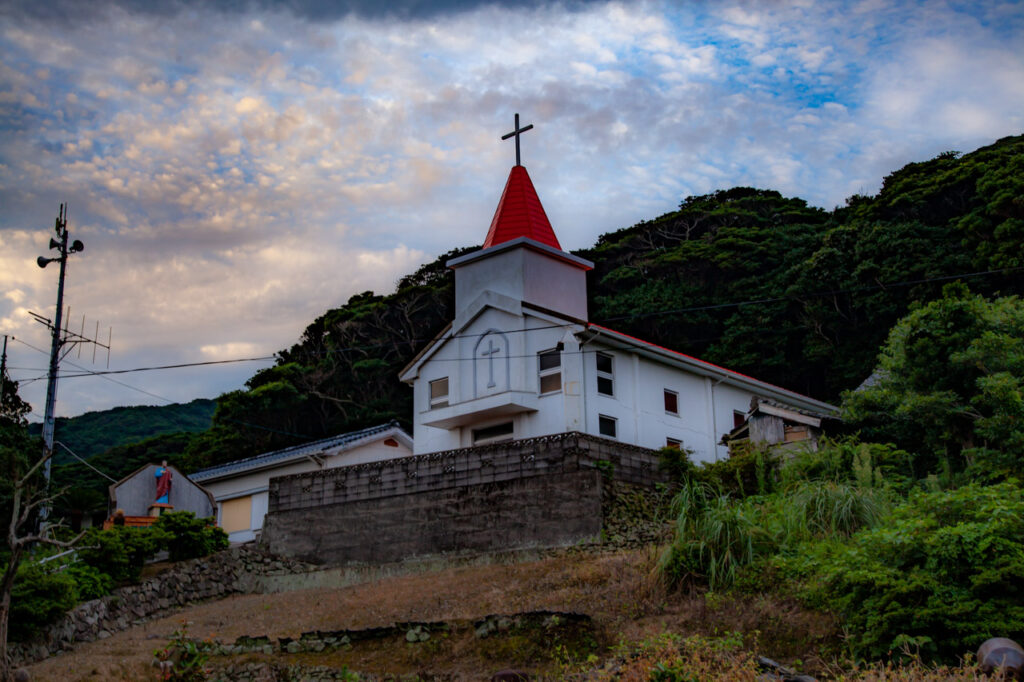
point(287, 454)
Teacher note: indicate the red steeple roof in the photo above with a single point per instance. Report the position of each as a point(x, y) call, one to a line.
point(520, 214)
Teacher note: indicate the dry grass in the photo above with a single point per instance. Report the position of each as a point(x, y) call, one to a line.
point(621, 592)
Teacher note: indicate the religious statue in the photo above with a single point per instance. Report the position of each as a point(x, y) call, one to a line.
point(163, 483)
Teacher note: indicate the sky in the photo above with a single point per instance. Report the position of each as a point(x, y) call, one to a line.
point(235, 169)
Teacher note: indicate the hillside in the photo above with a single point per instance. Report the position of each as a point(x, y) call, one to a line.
point(747, 278)
point(624, 625)
point(94, 432)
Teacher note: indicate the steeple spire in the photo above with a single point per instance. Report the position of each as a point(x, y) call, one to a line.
point(520, 214)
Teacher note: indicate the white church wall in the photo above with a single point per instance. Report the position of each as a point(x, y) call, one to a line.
point(554, 284)
point(501, 349)
point(704, 408)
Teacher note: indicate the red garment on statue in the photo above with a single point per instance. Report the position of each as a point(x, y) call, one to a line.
point(163, 484)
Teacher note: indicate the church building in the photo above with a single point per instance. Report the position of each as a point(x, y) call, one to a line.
point(528, 419)
point(521, 360)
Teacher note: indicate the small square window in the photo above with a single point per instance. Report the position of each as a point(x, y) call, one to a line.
point(738, 418)
point(606, 425)
point(673, 443)
point(439, 393)
point(671, 402)
point(605, 380)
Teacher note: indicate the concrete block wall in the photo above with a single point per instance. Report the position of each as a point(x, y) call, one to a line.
point(538, 492)
point(512, 460)
point(536, 511)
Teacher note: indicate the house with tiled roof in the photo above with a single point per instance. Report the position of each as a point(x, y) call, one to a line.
point(241, 488)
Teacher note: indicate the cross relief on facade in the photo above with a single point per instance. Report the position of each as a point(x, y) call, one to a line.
point(489, 354)
point(491, 348)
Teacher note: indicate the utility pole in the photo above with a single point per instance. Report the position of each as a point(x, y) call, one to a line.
point(61, 228)
point(3, 373)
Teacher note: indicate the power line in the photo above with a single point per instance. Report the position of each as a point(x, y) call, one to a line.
point(112, 480)
point(633, 316)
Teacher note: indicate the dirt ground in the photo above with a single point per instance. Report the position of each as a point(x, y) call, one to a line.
point(619, 591)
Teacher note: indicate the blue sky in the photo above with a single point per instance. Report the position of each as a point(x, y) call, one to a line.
point(235, 169)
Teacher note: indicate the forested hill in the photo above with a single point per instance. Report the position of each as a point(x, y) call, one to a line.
point(747, 278)
point(92, 433)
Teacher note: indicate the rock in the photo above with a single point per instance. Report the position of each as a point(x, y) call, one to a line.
point(1002, 654)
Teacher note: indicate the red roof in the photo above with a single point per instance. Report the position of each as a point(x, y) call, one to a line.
point(520, 214)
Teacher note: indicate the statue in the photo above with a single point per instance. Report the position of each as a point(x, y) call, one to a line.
point(163, 483)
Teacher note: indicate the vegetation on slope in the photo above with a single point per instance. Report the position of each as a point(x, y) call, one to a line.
point(918, 544)
point(93, 433)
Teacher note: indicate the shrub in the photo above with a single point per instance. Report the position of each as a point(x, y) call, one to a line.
point(40, 596)
point(90, 583)
point(121, 552)
point(847, 459)
point(946, 571)
point(749, 470)
point(190, 537)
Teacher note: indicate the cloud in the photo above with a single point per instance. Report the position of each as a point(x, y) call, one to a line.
point(235, 169)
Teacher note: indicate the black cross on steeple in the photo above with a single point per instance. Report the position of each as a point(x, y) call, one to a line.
point(516, 133)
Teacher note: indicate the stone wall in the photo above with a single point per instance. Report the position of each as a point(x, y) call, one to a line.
point(232, 571)
point(538, 492)
point(538, 511)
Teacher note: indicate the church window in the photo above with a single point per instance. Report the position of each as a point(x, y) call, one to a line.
point(606, 425)
point(439, 393)
point(605, 381)
point(492, 434)
point(550, 363)
point(671, 402)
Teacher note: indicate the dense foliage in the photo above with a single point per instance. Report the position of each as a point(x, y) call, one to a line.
point(950, 387)
point(913, 546)
point(189, 537)
point(944, 573)
point(104, 559)
point(95, 432)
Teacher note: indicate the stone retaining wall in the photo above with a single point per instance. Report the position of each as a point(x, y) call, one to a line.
point(235, 570)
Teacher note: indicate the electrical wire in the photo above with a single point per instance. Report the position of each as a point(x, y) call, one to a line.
point(112, 480)
point(633, 316)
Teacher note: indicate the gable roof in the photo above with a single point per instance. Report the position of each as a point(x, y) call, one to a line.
point(112, 488)
point(787, 397)
point(339, 443)
point(520, 214)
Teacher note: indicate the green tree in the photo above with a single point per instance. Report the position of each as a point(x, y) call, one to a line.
point(949, 386)
point(22, 492)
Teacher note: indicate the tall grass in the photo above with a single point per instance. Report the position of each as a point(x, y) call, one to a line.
point(716, 536)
